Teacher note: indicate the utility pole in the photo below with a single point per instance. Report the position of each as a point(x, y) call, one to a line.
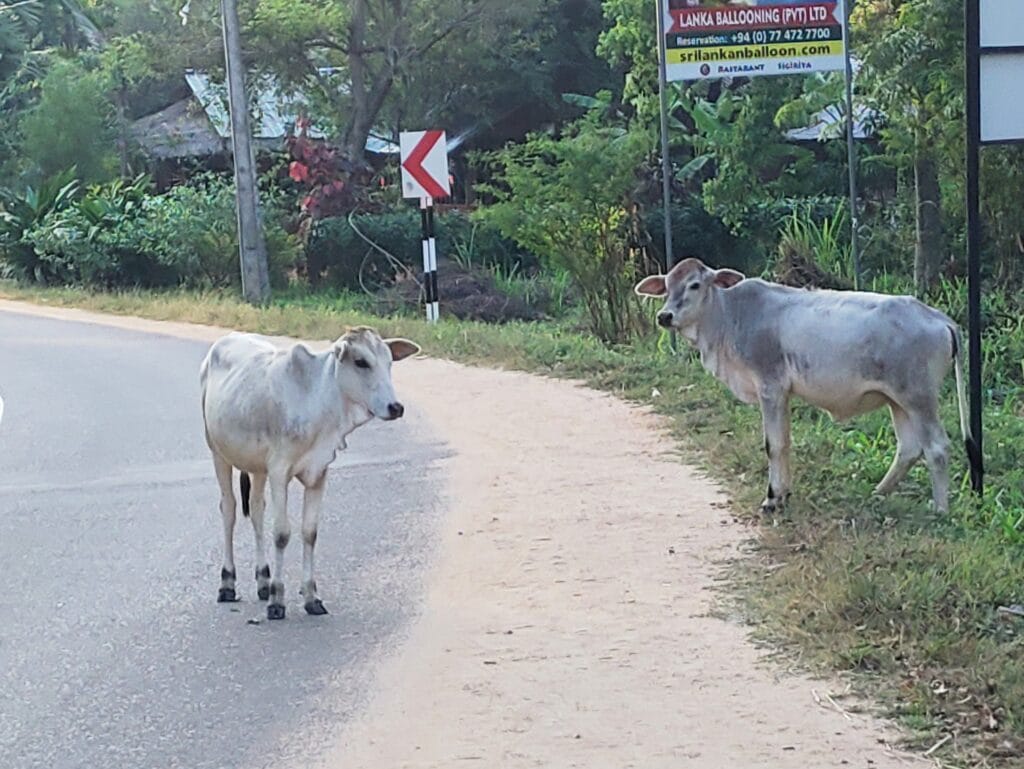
point(251, 245)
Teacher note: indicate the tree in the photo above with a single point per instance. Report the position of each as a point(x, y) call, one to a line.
point(913, 73)
point(33, 24)
point(71, 125)
point(572, 201)
point(370, 44)
point(29, 30)
point(755, 167)
point(630, 43)
point(495, 86)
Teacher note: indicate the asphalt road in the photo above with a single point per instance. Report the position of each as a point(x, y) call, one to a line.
point(113, 651)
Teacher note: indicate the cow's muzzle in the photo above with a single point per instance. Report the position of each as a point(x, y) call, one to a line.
point(395, 411)
point(665, 319)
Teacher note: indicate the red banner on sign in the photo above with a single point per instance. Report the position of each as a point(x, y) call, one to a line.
point(726, 18)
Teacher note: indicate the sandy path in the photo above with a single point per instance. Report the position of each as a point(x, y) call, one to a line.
point(559, 629)
point(567, 617)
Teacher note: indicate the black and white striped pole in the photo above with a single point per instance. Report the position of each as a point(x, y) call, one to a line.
point(432, 299)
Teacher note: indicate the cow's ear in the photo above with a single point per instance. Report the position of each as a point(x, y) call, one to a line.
point(339, 349)
point(726, 278)
point(653, 285)
point(401, 348)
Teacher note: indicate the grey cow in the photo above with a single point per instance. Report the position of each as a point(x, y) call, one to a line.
point(846, 352)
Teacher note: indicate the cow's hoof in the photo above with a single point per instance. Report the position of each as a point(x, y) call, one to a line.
point(227, 595)
point(275, 611)
point(774, 503)
point(263, 592)
point(315, 607)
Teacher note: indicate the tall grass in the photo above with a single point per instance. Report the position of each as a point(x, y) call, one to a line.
point(551, 290)
point(824, 241)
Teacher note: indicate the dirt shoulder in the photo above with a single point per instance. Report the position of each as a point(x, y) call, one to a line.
point(568, 616)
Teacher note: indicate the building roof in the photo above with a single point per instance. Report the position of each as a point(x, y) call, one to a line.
point(199, 125)
point(830, 123)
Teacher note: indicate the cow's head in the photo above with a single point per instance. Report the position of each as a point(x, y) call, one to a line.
point(364, 370)
point(686, 290)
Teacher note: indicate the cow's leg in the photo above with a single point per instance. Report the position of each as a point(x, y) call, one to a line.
point(908, 449)
point(227, 512)
point(311, 503)
point(936, 453)
point(775, 414)
point(282, 533)
point(257, 508)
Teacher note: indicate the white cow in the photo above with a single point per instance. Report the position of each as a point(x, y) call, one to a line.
point(846, 352)
point(280, 414)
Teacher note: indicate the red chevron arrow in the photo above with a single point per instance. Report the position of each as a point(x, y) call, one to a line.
point(414, 164)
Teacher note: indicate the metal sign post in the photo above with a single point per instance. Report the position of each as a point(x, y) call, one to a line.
point(851, 148)
point(974, 447)
point(666, 161)
point(429, 259)
point(424, 159)
point(994, 67)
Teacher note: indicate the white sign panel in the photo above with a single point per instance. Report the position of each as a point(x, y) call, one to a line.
point(1002, 97)
point(1001, 70)
point(424, 164)
point(1002, 23)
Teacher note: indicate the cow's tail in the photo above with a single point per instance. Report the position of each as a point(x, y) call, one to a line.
point(973, 454)
point(244, 486)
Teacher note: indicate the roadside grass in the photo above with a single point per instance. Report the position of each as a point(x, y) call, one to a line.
point(902, 601)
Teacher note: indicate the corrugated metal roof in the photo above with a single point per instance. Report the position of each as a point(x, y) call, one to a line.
point(830, 123)
point(275, 110)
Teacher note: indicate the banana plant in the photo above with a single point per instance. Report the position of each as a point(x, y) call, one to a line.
point(711, 127)
point(28, 24)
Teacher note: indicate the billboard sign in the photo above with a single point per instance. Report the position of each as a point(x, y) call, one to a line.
point(751, 38)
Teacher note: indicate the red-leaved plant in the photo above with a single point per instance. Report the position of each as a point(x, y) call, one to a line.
point(333, 184)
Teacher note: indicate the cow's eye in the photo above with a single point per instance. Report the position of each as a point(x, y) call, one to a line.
point(362, 363)
point(694, 286)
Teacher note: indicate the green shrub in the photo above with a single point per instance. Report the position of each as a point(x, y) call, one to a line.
point(337, 255)
point(192, 230)
point(90, 242)
point(775, 214)
point(72, 249)
point(21, 212)
point(117, 235)
point(695, 232)
point(570, 200)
